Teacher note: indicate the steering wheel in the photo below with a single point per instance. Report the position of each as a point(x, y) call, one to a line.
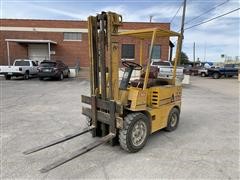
point(131, 64)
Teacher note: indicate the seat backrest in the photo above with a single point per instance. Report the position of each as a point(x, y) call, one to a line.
point(153, 72)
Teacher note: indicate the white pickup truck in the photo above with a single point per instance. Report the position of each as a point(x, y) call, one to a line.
point(166, 69)
point(20, 67)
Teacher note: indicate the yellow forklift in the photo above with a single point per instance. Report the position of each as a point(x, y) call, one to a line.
point(125, 111)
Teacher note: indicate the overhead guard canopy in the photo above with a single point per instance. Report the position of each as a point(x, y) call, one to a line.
point(147, 33)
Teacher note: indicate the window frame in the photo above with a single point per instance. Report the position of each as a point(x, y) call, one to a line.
point(72, 39)
point(160, 52)
point(134, 54)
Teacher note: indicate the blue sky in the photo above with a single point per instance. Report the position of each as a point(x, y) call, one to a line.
point(220, 36)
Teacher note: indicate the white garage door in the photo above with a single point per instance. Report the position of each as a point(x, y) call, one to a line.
point(38, 52)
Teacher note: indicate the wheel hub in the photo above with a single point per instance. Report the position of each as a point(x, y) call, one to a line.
point(139, 133)
point(173, 120)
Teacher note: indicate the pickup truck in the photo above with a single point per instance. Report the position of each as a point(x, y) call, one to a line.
point(166, 69)
point(228, 70)
point(20, 67)
point(203, 72)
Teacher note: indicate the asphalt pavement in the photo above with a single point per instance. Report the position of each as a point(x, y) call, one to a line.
point(205, 145)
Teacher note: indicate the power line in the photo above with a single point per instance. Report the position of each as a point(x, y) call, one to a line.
point(176, 13)
point(203, 22)
point(209, 10)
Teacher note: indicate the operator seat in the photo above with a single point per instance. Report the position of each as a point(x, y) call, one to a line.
point(152, 80)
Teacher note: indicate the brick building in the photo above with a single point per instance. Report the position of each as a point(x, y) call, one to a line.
point(67, 41)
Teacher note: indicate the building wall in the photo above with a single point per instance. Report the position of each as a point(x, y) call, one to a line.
point(70, 52)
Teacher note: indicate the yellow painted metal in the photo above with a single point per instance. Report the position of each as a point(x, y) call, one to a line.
point(160, 115)
point(115, 70)
point(161, 95)
point(114, 21)
point(149, 60)
point(176, 59)
point(123, 97)
point(141, 53)
point(90, 52)
point(147, 33)
point(138, 99)
point(161, 99)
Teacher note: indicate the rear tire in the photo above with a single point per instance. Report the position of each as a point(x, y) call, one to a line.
point(61, 77)
point(203, 74)
point(7, 77)
point(135, 132)
point(26, 75)
point(173, 119)
point(68, 73)
point(216, 75)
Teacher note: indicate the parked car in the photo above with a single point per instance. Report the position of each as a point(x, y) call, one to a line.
point(228, 70)
point(166, 69)
point(53, 69)
point(21, 67)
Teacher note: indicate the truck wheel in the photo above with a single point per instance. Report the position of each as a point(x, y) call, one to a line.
point(40, 78)
point(68, 73)
point(26, 75)
point(173, 119)
point(135, 132)
point(7, 77)
point(216, 75)
point(203, 74)
point(61, 77)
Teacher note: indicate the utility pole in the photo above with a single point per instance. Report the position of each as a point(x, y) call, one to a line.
point(193, 54)
point(205, 51)
point(150, 18)
point(179, 44)
point(182, 29)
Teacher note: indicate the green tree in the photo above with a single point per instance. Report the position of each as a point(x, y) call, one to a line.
point(184, 58)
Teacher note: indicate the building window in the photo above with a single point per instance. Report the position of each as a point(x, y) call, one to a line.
point(156, 54)
point(128, 51)
point(72, 36)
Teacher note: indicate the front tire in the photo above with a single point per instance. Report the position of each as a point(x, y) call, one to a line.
point(203, 74)
point(216, 75)
point(173, 119)
point(135, 132)
point(7, 77)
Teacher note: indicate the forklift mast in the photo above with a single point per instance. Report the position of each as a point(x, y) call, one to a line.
point(104, 55)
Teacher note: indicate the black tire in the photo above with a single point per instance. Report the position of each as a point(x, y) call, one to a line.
point(61, 76)
point(216, 75)
point(40, 78)
point(126, 134)
point(68, 74)
point(173, 120)
point(26, 75)
point(203, 74)
point(7, 77)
